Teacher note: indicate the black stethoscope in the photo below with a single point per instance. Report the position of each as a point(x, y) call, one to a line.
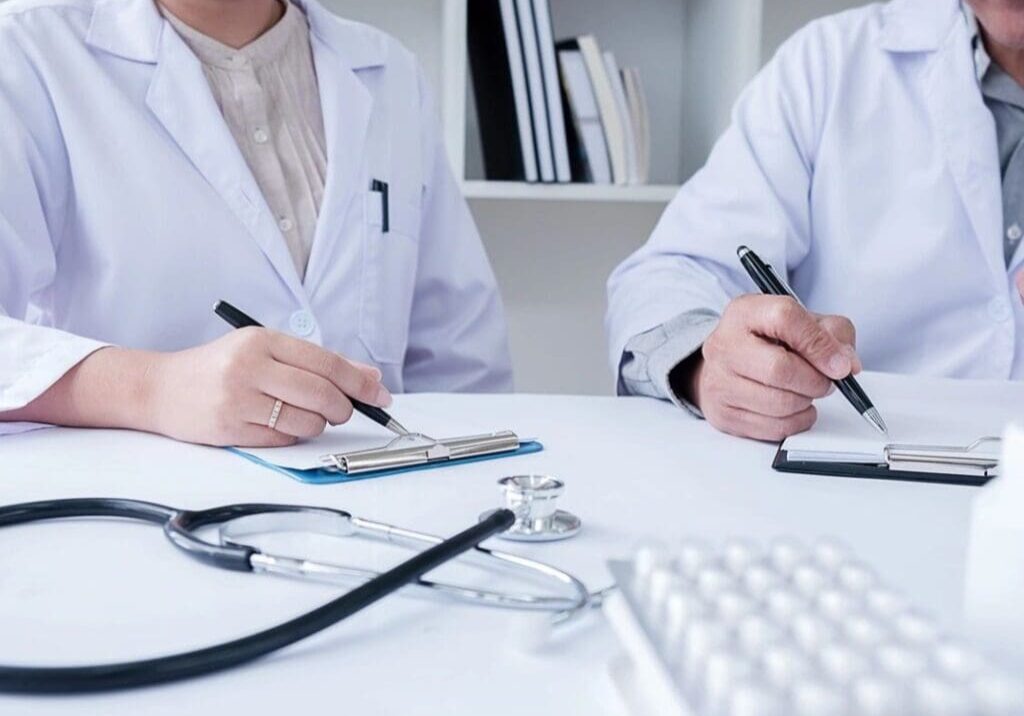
point(180, 527)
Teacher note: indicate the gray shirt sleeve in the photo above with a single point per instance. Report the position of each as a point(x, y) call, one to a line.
point(650, 357)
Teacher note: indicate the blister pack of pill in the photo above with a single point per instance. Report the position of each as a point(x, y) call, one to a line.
point(787, 629)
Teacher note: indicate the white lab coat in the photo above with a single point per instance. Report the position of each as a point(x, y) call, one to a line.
point(864, 161)
point(127, 209)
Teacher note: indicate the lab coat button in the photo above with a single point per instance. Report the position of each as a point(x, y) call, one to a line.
point(285, 224)
point(999, 309)
point(302, 323)
point(260, 136)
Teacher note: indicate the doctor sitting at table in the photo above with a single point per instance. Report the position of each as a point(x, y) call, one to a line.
point(157, 158)
point(877, 161)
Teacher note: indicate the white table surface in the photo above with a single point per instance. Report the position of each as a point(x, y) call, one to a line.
point(80, 591)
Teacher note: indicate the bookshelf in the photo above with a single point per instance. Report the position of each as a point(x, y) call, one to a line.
point(694, 55)
point(553, 246)
point(655, 39)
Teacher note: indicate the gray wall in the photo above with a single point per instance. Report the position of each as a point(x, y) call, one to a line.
point(783, 17)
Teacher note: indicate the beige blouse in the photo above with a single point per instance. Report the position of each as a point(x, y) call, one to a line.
point(267, 92)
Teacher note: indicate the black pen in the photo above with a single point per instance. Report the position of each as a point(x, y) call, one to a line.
point(238, 319)
point(772, 284)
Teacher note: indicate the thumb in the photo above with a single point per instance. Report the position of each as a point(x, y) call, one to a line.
point(787, 321)
point(843, 330)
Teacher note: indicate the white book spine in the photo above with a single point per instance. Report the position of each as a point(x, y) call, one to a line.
point(519, 89)
point(552, 88)
point(637, 99)
point(632, 169)
point(535, 85)
point(610, 119)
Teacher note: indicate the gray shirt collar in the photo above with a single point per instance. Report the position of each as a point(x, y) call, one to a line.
point(995, 83)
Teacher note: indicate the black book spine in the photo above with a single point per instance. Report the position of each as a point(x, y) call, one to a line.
point(492, 87)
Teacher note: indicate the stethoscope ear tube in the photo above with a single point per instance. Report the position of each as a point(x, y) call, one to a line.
point(82, 679)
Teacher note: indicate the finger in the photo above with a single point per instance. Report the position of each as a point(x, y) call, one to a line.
point(297, 422)
point(292, 421)
point(308, 391)
point(783, 319)
point(743, 423)
point(1020, 284)
point(745, 394)
point(846, 333)
point(839, 326)
point(249, 435)
point(350, 380)
point(774, 366)
point(372, 370)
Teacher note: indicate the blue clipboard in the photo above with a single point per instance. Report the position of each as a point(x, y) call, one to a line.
point(320, 476)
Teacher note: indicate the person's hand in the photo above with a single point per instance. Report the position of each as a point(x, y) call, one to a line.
point(765, 364)
point(1020, 284)
point(223, 393)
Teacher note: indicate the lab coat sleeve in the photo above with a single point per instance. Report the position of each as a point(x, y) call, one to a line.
point(649, 359)
point(753, 190)
point(34, 199)
point(458, 340)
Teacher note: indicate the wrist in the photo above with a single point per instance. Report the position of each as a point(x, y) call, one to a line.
point(145, 391)
point(116, 388)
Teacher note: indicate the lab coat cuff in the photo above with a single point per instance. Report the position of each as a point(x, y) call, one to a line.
point(40, 369)
point(16, 428)
point(667, 357)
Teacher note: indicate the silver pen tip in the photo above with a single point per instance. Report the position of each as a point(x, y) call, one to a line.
point(872, 416)
point(396, 427)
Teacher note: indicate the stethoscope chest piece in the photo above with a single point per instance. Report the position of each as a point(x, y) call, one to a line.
point(534, 499)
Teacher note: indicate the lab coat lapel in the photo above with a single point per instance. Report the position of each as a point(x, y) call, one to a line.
point(342, 53)
point(180, 98)
point(966, 133)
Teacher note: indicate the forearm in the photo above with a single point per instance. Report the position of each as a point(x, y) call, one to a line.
point(110, 388)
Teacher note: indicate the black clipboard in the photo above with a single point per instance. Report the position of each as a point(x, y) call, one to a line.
point(897, 467)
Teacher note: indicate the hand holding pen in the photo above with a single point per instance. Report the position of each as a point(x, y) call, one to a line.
point(349, 385)
point(765, 363)
point(225, 392)
point(772, 284)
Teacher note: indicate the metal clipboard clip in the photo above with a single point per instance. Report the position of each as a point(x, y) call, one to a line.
point(396, 455)
point(938, 458)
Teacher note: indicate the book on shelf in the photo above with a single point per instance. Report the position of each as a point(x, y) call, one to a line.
point(636, 99)
point(499, 81)
point(605, 96)
point(588, 150)
point(628, 133)
point(535, 88)
point(553, 90)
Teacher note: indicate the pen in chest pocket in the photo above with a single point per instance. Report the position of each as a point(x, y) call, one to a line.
point(381, 187)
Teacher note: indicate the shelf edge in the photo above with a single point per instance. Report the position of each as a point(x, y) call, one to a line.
point(518, 191)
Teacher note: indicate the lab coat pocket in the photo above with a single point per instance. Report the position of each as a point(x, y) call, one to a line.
point(388, 277)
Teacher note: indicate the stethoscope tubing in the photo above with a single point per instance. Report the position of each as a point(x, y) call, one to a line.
point(237, 532)
point(176, 667)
